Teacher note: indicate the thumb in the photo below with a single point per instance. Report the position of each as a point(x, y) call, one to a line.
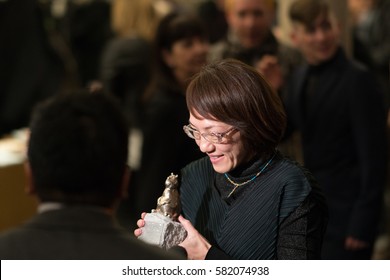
point(185, 223)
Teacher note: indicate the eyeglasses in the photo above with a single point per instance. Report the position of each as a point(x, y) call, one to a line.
point(213, 137)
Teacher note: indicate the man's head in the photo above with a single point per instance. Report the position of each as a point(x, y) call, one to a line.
point(77, 150)
point(315, 30)
point(250, 20)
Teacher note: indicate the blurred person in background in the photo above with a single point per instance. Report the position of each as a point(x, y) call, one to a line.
point(88, 30)
point(30, 69)
point(181, 48)
point(250, 39)
point(212, 13)
point(371, 29)
point(126, 70)
point(371, 45)
point(127, 59)
point(338, 107)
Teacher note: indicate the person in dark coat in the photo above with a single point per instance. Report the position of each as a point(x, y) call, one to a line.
point(127, 58)
point(76, 167)
point(212, 13)
point(340, 113)
point(89, 31)
point(30, 68)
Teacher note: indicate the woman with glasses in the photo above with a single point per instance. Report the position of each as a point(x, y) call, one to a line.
point(244, 200)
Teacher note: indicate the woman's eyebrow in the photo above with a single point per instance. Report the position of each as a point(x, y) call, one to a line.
point(206, 128)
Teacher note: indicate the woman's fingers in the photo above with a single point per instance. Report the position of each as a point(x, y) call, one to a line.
point(137, 232)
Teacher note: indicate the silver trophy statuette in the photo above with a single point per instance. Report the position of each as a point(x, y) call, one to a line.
point(161, 225)
point(169, 203)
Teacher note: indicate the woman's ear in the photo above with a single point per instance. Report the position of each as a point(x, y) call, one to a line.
point(30, 186)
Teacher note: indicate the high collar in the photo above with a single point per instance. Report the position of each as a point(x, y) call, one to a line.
point(339, 54)
point(241, 174)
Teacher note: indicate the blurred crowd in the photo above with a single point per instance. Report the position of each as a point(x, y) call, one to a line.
point(62, 44)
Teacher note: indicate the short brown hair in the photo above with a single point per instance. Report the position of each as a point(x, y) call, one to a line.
point(229, 3)
point(235, 93)
point(306, 11)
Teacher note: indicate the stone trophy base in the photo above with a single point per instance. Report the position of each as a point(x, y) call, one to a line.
point(162, 231)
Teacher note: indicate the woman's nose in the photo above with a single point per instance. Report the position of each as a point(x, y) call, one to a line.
point(205, 146)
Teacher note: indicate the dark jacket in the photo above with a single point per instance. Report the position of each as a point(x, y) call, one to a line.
point(343, 127)
point(75, 233)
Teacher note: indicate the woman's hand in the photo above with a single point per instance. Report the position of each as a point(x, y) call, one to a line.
point(140, 224)
point(270, 68)
point(195, 244)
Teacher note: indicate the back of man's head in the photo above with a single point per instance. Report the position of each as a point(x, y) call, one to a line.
point(78, 149)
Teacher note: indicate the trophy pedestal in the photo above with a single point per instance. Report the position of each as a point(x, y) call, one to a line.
point(160, 230)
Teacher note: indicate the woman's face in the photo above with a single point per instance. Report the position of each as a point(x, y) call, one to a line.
point(186, 57)
point(225, 156)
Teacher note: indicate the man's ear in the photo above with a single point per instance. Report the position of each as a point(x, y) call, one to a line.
point(125, 183)
point(30, 186)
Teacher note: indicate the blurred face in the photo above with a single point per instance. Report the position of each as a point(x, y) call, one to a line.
point(357, 7)
point(319, 42)
point(186, 57)
point(250, 20)
point(225, 156)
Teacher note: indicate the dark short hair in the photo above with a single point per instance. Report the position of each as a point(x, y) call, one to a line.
point(177, 26)
point(78, 149)
point(306, 11)
point(172, 28)
point(235, 93)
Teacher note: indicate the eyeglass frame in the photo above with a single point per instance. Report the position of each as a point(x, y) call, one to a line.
point(187, 128)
